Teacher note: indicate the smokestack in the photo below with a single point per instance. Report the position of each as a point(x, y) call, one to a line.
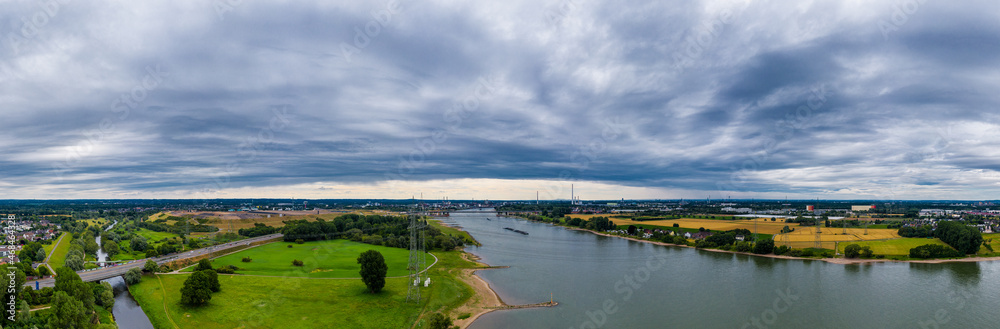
point(572, 198)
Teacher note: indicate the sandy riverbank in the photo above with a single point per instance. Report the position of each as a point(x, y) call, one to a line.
point(843, 261)
point(484, 296)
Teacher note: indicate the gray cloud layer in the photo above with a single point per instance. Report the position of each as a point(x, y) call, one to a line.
point(815, 99)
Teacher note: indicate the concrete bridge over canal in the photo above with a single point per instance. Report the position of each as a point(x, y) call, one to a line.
point(117, 270)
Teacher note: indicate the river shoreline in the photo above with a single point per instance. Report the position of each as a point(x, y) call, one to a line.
point(842, 261)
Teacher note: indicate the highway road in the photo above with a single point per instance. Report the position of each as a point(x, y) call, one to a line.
point(113, 271)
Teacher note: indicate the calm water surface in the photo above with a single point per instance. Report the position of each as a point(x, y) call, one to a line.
point(603, 282)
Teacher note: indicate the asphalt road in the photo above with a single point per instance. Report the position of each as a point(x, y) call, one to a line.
point(113, 271)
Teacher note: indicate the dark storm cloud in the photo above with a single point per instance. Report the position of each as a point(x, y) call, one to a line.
point(813, 100)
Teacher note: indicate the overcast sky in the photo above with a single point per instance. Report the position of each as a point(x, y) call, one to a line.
point(468, 99)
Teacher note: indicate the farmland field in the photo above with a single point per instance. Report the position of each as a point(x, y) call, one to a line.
point(805, 236)
point(899, 246)
point(153, 236)
point(765, 226)
point(323, 259)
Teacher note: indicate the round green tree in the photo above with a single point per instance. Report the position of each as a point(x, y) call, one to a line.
point(373, 270)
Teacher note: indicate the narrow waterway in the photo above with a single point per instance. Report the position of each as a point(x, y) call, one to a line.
point(607, 282)
point(127, 312)
point(101, 255)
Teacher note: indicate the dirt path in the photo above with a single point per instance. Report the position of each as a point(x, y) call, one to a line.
point(47, 257)
point(165, 311)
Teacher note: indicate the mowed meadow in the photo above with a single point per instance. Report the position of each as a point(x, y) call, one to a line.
point(321, 259)
point(290, 301)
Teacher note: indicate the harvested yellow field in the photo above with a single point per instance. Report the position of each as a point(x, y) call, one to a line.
point(764, 226)
point(805, 237)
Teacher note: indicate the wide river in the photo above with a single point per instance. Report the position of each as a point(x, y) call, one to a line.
point(605, 282)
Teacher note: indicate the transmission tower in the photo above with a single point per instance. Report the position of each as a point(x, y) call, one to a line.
point(417, 258)
point(819, 234)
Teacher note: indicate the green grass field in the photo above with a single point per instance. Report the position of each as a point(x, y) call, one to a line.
point(59, 256)
point(48, 247)
point(153, 236)
point(899, 246)
point(323, 259)
point(264, 302)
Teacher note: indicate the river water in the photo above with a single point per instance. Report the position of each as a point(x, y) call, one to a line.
point(127, 312)
point(606, 282)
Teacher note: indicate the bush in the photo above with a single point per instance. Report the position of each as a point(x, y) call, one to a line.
point(228, 269)
point(781, 250)
point(464, 316)
point(297, 262)
point(289, 246)
point(300, 241)
point(676, 225)
point(934, 251)
point(248, 259)
point(743, 246)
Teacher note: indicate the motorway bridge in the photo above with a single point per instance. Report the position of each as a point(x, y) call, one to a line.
point(113, 271)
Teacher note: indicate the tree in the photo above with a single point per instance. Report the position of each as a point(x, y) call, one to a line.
point(197, 289)
point(74, 262)
point(439, 321)
point(151, 266)
point(133, 276)
point(40, 255)
point(212, 279)
point(67, 312)
point(104, 295)
point(866, 252)
point(763, 247)
point(111, 248)
point(963, 238)
point(631, 229)
point(43, 271)
point(373, 270)
point(90, 247)
point(68, 281)
point(138, 243)
point(852, 251)
point(203, 264)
